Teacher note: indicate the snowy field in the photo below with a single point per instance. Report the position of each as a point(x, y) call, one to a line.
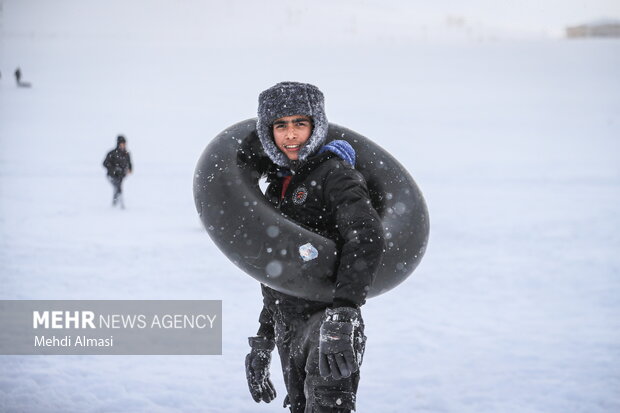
point(515, 144)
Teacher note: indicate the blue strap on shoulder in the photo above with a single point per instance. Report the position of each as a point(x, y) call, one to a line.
point(343, 149)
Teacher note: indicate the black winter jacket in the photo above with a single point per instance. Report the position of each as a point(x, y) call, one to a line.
point(117, 162)
point(328, 196)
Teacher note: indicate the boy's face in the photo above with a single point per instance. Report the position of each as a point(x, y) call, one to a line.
point(290, 133)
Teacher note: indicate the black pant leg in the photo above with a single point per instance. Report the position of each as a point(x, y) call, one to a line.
point(326, 394)
point(116, 182)
point(289, 342)
point(298, 345)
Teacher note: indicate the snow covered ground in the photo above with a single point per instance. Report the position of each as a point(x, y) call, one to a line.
point(515, 307)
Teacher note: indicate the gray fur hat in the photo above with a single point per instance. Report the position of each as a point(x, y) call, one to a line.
point(288, 99)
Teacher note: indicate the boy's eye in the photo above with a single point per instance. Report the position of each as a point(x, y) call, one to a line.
point(302, 124)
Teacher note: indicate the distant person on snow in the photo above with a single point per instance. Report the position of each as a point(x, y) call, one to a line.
point(315, 184)
point(18, 79)
point(118, 164)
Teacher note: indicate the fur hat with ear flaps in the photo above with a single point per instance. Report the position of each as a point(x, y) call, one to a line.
point(288, 99)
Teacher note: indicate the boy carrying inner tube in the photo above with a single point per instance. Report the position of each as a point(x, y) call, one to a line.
point(320, 344)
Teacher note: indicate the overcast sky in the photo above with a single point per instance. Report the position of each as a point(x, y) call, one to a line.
point(246, 19)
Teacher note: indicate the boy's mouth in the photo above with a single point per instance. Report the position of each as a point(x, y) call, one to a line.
point(295, 147)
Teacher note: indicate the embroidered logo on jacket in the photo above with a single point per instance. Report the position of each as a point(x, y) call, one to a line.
point(300, 195)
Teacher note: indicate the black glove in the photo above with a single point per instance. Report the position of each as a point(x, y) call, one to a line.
point(337, 355)
point(257, 369)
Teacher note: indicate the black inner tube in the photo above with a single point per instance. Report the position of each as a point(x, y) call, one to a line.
point(266, 245)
